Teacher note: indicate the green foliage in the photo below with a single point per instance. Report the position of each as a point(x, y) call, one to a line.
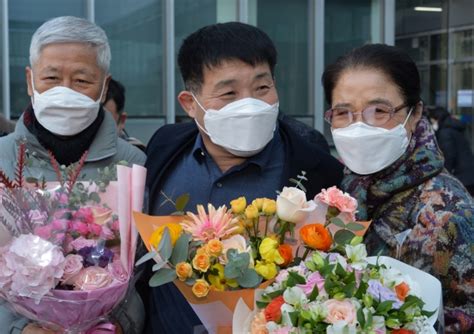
point(249, 278)
point(181, 202)
point(163, 276)
point(180, 250)
point(343, 237)
point(165, 248)
point(146, 257)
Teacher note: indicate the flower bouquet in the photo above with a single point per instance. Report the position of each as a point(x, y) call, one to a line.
point(220, 256)
point(66, 256)
point(336, 288)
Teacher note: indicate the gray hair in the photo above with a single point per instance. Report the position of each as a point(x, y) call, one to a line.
point(70, 29)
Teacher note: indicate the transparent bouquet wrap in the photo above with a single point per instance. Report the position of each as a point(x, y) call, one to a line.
point(67, 247)
point(384, 296)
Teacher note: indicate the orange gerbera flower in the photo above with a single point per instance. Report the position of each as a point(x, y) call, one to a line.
point(316, 236)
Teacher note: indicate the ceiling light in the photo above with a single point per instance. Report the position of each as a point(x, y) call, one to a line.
point(428, 9)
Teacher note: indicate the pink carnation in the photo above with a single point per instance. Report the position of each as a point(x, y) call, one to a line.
point(85, 215)
point(92, 278)
point(60, 224)
point(44, 232)
point(80, 227)
point(336, 198)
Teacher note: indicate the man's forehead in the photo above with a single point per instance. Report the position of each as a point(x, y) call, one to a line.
point(231, 71)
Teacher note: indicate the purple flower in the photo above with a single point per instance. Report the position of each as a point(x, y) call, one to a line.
point(381, 293)
point(96, 256)
point(313, 279)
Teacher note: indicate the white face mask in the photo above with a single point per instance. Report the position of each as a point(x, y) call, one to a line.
point(243, 127)
point(368, 149)
point(64, 111)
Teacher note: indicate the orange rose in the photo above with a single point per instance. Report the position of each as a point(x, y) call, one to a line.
point(286, 253)
point(316, 236)
point(214, 247)
point(402, 290)
point(201, 262)
point(273, 310)
point(184, 271)
point(200, 288)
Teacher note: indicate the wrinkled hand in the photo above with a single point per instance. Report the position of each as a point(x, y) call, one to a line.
point(33, 329)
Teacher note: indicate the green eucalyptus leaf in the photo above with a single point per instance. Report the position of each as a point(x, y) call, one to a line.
point(165, 248)
point(343, 237)
point(338, 222)
point(355, 227)
point(94, 197)
point(158, 266)
point(250, 279)
point(162, 276)
point(146, 257)
point(180, 250)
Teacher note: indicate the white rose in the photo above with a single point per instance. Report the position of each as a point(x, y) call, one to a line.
point(292, 205)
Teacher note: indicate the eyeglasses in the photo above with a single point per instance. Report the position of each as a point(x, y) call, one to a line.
point(375, 115)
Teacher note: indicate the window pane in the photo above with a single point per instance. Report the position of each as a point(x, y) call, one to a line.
point(190, 15)
point(349, 24)
point(286, 22)
point(134, 29)
point(22, 25)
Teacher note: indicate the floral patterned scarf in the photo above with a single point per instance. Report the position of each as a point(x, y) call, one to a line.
point(389, 196)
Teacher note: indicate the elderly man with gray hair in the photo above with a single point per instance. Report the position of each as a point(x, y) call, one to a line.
point(67, 80)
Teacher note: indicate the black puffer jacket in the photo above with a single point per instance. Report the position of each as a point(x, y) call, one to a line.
point(459, 159)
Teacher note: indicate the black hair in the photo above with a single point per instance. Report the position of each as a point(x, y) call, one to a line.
point(212, 44)
point(116, 92)
point(392, 61)
point(437, 113)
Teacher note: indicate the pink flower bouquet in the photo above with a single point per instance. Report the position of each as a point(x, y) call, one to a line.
point(66, 256)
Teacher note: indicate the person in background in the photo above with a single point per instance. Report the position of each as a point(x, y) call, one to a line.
point(6, 126)
point(458, 157)
point(115, 104)
point(420, 213)
point(236, 145)
point(67, 80)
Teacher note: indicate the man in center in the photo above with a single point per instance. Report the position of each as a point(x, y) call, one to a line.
point(236, 145)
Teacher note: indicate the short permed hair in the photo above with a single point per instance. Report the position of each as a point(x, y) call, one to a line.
point(211, 45)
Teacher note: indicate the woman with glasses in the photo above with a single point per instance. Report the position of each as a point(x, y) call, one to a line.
point(420, 213)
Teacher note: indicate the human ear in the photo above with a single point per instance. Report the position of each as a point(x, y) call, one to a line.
point(187, 102)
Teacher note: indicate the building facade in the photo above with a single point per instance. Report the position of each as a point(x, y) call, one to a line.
point(145, 36)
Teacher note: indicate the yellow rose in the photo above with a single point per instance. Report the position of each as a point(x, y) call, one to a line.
point(202, 250)
point(173, 229)
point(214, 247)
point(266, 270)
point(258, 203)
point(184, 271)
point(251, 212)
point(200, 288)
point(269, 207)
point(201, 262)
point(269, 251)
point(238, 205)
